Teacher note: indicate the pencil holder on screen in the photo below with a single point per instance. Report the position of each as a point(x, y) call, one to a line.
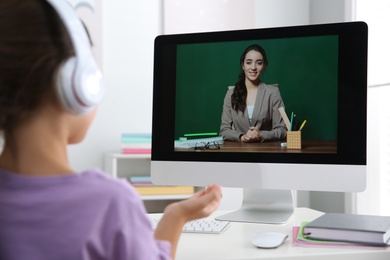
point(294, 140)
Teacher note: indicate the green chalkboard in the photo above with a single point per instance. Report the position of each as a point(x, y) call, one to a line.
point(306, 69)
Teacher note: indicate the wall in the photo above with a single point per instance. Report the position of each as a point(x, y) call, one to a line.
point(275, 13)
point(204, 15)
point(331, 11)
point(129, 29)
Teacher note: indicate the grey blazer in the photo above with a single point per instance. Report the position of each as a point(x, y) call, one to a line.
point(265, 115)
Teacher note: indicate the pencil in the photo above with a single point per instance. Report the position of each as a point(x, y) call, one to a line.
point(303, 124)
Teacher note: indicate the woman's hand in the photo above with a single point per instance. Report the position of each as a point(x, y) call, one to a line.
point(253, 135)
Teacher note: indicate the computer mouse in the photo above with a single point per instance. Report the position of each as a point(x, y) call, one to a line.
point(268, 239)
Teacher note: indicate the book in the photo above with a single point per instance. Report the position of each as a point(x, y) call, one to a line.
point(141, 180)
point(300, 239)
point(136, 178)
point(199, 135)
point(193, 142)
point(136, 135)
point(368, 229)
point(135, 140)
point(136, 150)
point(164, 190)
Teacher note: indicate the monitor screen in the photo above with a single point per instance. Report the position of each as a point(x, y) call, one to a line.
point(276, 108)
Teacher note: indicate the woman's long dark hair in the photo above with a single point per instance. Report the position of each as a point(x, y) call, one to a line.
point(240, 92)
point(34, 42)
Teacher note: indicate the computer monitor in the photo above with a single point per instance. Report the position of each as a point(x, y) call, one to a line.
point(320, 73)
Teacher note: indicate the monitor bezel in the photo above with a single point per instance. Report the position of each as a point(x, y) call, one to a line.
point(352, 87)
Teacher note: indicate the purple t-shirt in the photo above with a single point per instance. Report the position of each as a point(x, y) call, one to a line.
point(79, 216)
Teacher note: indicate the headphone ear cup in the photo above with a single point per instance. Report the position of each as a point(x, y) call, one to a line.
point(79, 89)
point(64, 85)
point(88, 84)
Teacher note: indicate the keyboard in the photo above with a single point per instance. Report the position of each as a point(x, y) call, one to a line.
point(205, 226)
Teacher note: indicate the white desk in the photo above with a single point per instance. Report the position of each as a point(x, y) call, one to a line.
point(235, 243)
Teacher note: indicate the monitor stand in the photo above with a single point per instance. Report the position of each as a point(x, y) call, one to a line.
point(263, 206)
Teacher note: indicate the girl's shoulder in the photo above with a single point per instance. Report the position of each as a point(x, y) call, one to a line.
point(97, 178)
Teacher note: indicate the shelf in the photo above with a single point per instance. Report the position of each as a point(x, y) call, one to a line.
point(126, 165)
point(130, 156)
point(166, 197)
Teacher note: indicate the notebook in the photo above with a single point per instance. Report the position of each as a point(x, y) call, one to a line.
point(356, 228)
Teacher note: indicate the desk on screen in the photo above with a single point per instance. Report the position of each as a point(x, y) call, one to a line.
point(308, 146)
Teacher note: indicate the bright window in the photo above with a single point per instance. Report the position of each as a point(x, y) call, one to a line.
point(376, 13)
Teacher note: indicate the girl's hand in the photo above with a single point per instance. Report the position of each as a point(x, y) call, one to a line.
point(200, 205)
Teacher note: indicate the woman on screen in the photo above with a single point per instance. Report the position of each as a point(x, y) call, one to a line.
point(250, 110)
point(47, 209)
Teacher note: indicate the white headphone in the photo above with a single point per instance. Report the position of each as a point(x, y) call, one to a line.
point(79, 81)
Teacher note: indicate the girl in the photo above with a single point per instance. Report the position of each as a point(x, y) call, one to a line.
point(47, 210)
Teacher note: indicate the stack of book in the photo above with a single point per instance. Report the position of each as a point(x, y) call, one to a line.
point(136, 143)
point(198, 139)
point(144, 186)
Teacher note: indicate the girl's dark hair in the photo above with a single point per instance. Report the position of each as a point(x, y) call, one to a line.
point(239, 93)
point(33, 44)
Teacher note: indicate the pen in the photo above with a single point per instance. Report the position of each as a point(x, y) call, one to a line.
point(303, 124)
point(291, 121)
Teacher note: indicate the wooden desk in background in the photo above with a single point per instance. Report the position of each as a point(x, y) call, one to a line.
point(308, 146)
